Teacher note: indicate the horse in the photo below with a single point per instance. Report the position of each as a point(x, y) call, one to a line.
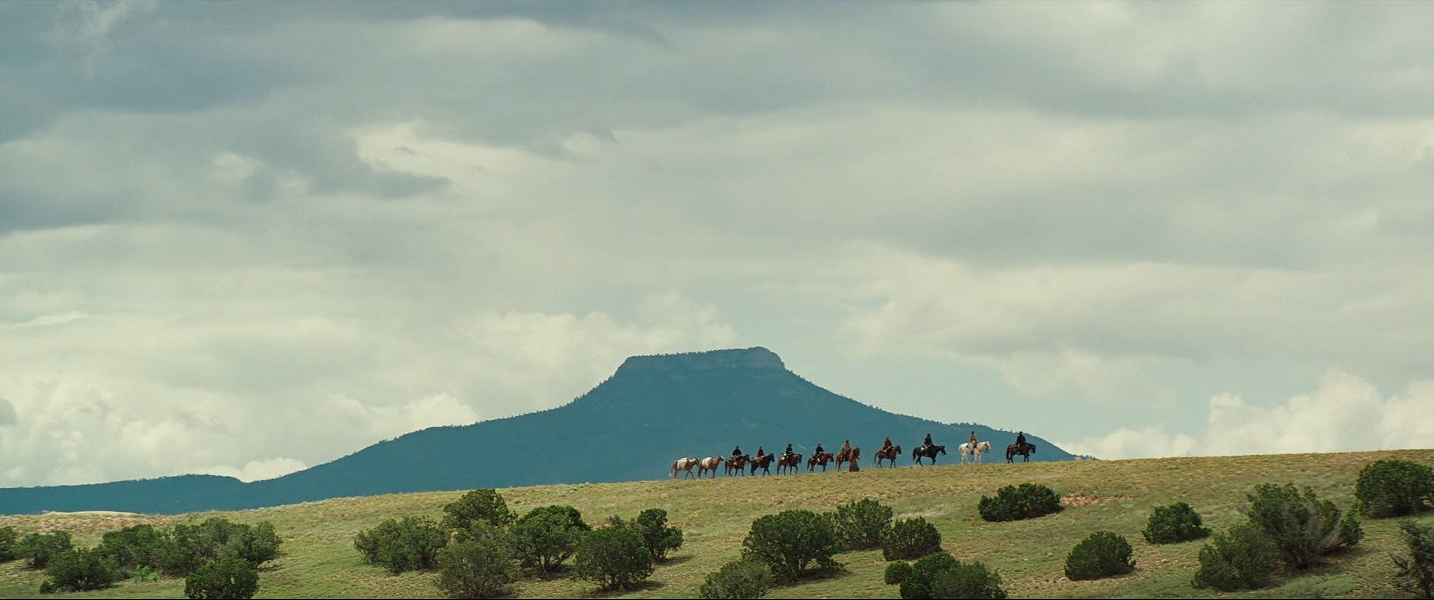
point(888, 454)
point(709, 464)
point(738, 464)
point(819, 458)
point(791, 461)
point(967, 451)
point(849, 456)
point(685, 465)
point(764, 463)
point(927, 451)
point(1026, 451)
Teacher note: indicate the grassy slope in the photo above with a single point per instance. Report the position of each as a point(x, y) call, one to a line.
point(319, 559)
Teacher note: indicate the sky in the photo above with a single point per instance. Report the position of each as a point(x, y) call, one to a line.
point(249, 238)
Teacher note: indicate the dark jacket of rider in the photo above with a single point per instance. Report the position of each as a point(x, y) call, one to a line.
point(789, 448)
point(1020, 438)
point(819, 448)
point(737, 451)
point(928, 440)
point(760, 452)
point(887, 443)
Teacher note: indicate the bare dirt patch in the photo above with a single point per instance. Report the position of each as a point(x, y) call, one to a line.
point(1075, 500)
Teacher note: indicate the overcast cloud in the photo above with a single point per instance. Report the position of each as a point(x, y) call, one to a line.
point(249, 238)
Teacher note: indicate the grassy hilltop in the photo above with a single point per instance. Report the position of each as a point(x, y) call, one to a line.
point(319, 559)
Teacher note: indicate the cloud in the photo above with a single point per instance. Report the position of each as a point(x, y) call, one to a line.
point(256, 470)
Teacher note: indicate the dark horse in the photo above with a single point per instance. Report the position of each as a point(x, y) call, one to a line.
point(763, 463)
point(1026, 451)
point(791, 461)
point(819, 458)
point(888, 454)
point(927, 451)
point(848, 456)
point(738, 464)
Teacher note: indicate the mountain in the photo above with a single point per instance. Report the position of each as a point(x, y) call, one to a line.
point(653, 410)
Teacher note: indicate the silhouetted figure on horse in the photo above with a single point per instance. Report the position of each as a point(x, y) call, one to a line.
point(928, 450)
point(763, 463)
point(819, 458)
point(888, 452)
point(1021, 447)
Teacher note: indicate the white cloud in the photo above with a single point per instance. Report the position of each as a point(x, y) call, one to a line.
point(257, 470)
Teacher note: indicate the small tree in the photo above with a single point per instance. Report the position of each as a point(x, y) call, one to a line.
point(861, 525)
point(39, 548)
point(228, 577)
point(8, 538)
point(134, 547)
point(917, 584)
point(403, 545)
point(79, 570)
point(1241, 558)
point(477, 565)
point(738, 579)
point(613, 558)
point(1302, 526)
point(547, 536)
point(1012, 503)
point(1175, 523)
point(257, 544)
point(1416, 572)
point(910, 538)
point(896, 572)
point(1101, 555)
point(793, 543)
point(659, 539)
point(1394, 487)
point(967, 580)
point(484, 505)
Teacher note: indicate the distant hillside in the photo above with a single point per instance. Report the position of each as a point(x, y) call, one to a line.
point(653, 410)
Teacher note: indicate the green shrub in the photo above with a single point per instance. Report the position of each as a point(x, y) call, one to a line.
point(134, 547)
point(659, 539)
point(1394, 487)
point(479, 564)
point(1015, 503)
point(79, 570)
point(403, 545)
point(228, 577)
point(861, 525)
point(917, 584)
point(257, 544)
point(1302, 526)
point(1241, 558)
point(897, 572)
point(967, 580)
point(910, 538)
point(613, 558)
point(1102, 554)
point(190, 546)
point(484, 505)
point(8, 538)
point(39, 548)
point(793, 543)
point(1416, 571)
point(738, 579)
point(547, 536)
point(1175, 523)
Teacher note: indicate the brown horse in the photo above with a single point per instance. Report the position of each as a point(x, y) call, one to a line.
point(1014, 449)
point(889, 454)
point(763, 463)
point(848, 456)
point(738, 464)
point(709, 465)
point(791, 461)
point(820, 458)
point(685, 465)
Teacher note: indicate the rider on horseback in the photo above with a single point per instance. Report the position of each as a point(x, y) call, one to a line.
point(819, 448)
point(928, 443)
point(737, 451)
point(973, 440)
point(789, 450)
point(1020, 439)
point(887, 443)
point(845, 448)
point(760, 453)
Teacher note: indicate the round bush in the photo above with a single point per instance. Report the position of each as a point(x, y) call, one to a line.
point(228, 577)
point(547, 536)
point(861, 525)
point(39, 548)
point(660, 539)
point(411, 543)
point(897, 572)
point(1241, 558)
point(967, 580)
point(1302, 526)
point(910, 538)
point(738, 579)
point(1015, 503)
point(79, 570)
point(484, 505)
point(793, 543)
point(134, 547)
point(1394, 487)
point(1101, 555)
point(1175, 523)
point(917, 584)
point(613, 558)
point(477, 566)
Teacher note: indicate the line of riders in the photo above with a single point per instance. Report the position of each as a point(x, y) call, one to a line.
point(790, 460)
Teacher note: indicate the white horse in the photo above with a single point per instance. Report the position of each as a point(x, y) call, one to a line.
point(710, 464)
point(685, 465)
point(967, 451)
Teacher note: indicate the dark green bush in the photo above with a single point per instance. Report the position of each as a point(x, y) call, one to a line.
point(403, 545)
point(897, 572)
point(228, 577)
point(79, 570)
point(1416, 571)
point(547, 536)
point(738, 579)
point(478, 564)
point(190, 546)
point(967, 580)
point(910, 538)
point(1175, 523)
point(793, 543)
point(257, 543)
point(134, 547)
point(1302, 526)
point(1394, 487)
point(917, 584)
point(659, 539)
point(1241, 558)
point(484, 505)
point(8, 538)
point(1102, 554)
point(1015, 503)
point(39, 548)
point(861, 525)
point(613, 558)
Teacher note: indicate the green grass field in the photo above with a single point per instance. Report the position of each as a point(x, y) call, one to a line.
point(318, 558)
